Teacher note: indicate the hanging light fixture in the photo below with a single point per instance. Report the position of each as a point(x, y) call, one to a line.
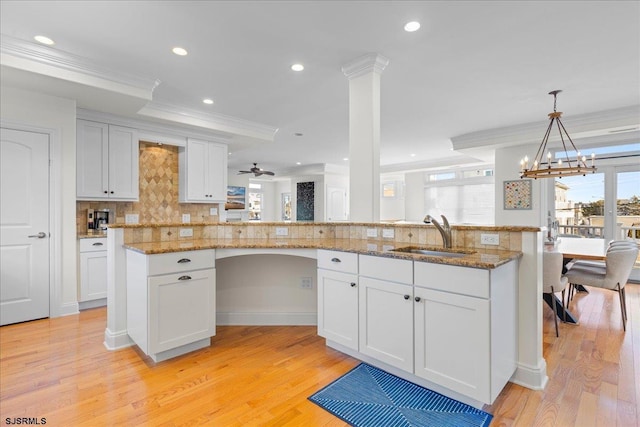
point(564, 166)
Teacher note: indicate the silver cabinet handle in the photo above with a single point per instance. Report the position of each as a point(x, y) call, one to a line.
point(335, 260)
point(184, 278)
point(183, 260)
point(40, 235)
point(98, 244)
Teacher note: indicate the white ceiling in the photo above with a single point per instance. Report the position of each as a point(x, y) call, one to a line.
point(473, 66)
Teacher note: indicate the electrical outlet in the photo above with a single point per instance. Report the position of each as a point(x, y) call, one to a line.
point(372, 232)
point(213, 211)
point(186, 232)
point(490, 239)
point(282, 231)
point(306, 283)
point(388, 233)
point(186, 218)
point(131, 218)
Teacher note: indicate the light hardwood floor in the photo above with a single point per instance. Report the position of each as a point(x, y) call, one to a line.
point(249, 376)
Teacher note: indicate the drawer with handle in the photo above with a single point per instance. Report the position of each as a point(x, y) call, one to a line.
point(93, 244)
point(345, 262)
point(176, 262)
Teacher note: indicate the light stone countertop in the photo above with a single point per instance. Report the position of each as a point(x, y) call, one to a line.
point(474, 258)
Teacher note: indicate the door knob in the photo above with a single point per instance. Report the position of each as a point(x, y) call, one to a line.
point(40, 235)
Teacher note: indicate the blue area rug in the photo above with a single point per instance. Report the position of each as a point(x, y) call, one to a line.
point(368, 397)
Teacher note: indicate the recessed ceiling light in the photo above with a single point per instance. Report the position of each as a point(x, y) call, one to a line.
point(179, 51)
point(345, 159)
point(298, 163)
point(298, 134)
point(230, 153)
point(412, 26)
point(413, 155)
point(208, 101)
point(44, 40)
point(297, 67)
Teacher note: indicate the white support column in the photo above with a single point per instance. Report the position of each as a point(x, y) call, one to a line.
point(364, 136)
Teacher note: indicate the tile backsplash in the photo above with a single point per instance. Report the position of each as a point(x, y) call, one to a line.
point(158, 201)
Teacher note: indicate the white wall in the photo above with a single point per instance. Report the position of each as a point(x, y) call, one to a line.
point(507, 168)
point(414, 196)
point(57, 115)
point(266, 288)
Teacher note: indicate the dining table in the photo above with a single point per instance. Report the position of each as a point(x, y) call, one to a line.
point(574, 248)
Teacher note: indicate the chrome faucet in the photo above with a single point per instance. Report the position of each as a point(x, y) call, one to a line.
point(444, 229)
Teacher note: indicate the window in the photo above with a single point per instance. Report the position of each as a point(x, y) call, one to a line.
point(463, 196)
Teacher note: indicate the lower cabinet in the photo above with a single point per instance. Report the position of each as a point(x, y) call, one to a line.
point(452, 341)
point(93, 272)
point(386, 322)
point(338, 307)
point(171, 302)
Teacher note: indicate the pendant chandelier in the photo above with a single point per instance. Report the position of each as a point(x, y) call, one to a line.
point(564, 166)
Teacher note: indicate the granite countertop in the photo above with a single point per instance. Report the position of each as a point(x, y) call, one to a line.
point(474, 258)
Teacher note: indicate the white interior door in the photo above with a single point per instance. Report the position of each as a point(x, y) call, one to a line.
point(336, 204)
point(24, 226)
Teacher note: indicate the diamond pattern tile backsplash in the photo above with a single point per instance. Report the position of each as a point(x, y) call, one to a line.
point(158, 193)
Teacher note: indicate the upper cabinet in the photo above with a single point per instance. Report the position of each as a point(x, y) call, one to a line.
point(107, 162)
point(203, 172)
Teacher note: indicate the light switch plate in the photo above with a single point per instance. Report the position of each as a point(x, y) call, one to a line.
point(306, 283)
point(186, 218)
point(131, 218)
point(489, 239)
point(282, 231)
point(186, 232)
point(388, 233)
point(213, 211)
point(372, 232)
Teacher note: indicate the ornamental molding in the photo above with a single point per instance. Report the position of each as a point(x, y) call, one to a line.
point(371, 62)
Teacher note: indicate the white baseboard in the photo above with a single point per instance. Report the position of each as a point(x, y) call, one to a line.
point(86, 305)
point(533, 377)
point(266, 319)
point(67, 309)
point(117, 340)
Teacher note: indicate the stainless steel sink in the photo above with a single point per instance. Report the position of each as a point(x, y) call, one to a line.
point(431, 252)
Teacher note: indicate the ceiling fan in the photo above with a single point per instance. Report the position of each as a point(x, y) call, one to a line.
point(257, 171)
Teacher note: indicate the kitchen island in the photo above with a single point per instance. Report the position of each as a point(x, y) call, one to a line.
point(483, 263)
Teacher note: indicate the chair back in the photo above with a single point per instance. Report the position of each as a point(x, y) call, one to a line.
point(619, 263)
point(552, 272)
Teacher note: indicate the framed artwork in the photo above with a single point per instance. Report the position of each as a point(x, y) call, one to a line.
point(235, 197)
point(517, 194)
point(305, 201)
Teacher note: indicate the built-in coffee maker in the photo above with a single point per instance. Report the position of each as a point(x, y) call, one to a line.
point(97, 220)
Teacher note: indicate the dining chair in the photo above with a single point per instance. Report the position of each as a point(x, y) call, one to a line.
point(553, 281)
point(619, 261)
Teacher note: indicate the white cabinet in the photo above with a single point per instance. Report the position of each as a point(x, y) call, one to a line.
point(386, 310)
point(386, 322)
point(171, 300)
point(338, 297)
point(106, 162)
point(203, 172)
point(93, 271)
point(465, 327)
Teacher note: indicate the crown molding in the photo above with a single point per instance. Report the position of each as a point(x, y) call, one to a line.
point(213, 121)
point(45, 60)
point(371, 62)
point(601, 123)
point(153, 132)
point(444, 163)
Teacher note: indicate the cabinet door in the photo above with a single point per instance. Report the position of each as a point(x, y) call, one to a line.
point(197, 170)
point(452, 341)
point(217, 191)
point(181, 309)
point(386, 322)
point(92, 160)
point(123, 163)
point(338, 307)
point(93, 275)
